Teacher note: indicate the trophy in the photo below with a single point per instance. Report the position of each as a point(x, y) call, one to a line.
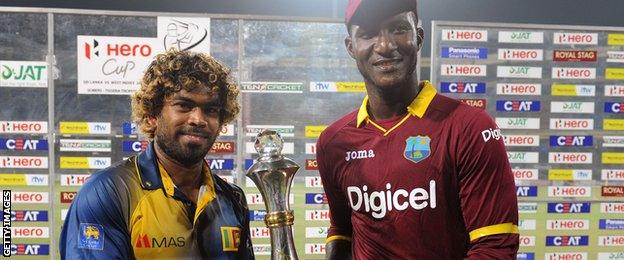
point(273, 174)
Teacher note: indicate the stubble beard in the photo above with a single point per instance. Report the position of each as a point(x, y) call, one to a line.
point(184, 155)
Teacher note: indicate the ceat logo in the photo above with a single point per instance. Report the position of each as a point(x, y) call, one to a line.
point(92, 49)
point(311, 164)
point(313, 182)
point(464, 70)
point(566, 256)
point(567, 240)
point(567, 224)
point(614, 107)
point(29, 215)
point(135, 146)
point(571, 124)
point(570, 207)
point(612, 207)
point(526, 191)
point(518, 89)
point(569, 191)
point(30, 249)
point(612, 191)
point(575, 56)
point(569, 157)
point(518, 105)
point(571, 140)
point(319, 214)
point(478, 103)
point(576, 38)
point(316, 198)
point(521, 140)
point(462, 87)
point(20, 144)
point(611, 240)
point(521, 54)
point(573, 73)
point(614, 91)
point(465, 35)
point(527, 241)
point(525, 174)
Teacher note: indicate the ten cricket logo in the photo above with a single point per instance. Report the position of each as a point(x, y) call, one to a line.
point(381, 202)
point(417, 148)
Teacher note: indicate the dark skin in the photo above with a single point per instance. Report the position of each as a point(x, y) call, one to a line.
point(186, 128)
point(386, 53)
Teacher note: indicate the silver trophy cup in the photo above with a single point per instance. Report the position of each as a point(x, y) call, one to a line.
point(273, 174)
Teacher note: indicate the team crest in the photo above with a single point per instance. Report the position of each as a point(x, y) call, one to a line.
point(91, 236)
point(417, 148)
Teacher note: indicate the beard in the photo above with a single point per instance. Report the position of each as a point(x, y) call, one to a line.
point(186, 155)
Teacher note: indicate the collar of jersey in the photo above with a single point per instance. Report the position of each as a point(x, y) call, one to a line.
point(417, 108)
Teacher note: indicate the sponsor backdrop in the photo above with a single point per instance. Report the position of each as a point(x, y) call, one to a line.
point(556, 94)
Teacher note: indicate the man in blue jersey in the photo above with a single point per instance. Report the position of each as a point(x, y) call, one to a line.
point(165, 202)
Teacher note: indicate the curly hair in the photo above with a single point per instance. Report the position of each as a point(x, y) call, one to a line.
point(175, 70)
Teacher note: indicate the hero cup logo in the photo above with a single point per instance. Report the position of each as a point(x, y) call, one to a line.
point(91, 49)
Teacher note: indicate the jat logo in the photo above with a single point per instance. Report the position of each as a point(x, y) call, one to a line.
point(572, 107)
point(23, 144)
point(375, 202)
point(462, 87)
point(520, 37)
point(576, 38)
point(569, 207)
point(518, 123)
point(465, 35)
point(614, 107)
point(571, 140)
point(464, 70)
point(518, 105)
point(567, 240)
point(518, 72)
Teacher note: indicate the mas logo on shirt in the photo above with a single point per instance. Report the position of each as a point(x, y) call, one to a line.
point(417, 148)
point(230, 238)
point(91, 236)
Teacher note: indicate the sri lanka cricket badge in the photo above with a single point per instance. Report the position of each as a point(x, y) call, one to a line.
point(417, 148)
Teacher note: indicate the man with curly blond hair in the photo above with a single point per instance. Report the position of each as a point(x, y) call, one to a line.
point(165, 202)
